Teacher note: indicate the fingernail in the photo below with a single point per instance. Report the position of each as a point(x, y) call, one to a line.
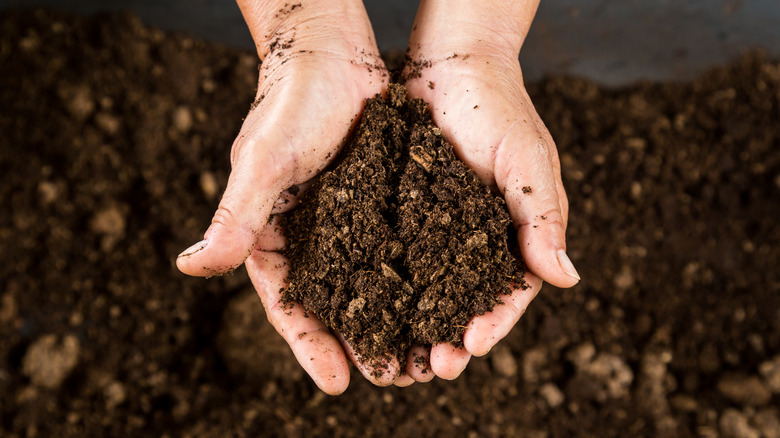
point(567, 265)
point(193, 249)
point(482, 354)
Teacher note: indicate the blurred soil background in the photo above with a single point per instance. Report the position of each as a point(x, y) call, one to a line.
point(114, 150)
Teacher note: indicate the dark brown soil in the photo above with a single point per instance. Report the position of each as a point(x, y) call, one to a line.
point(400, 244)
point(114, 147)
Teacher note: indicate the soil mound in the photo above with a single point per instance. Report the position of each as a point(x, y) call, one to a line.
point(400, 244)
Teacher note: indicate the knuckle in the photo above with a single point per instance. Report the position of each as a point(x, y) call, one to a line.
point(238, 150)
point(543, 155)
point(224, 216)
point(503, 171)
point(552, 217)
point(272, 161)
point(279, 163)
point(517, 310)
point(278, 315)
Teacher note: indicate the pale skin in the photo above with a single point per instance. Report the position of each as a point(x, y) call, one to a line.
point(320, 62)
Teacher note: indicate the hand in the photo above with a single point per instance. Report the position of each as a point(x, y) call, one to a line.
point(319, 64)
point(474, 86)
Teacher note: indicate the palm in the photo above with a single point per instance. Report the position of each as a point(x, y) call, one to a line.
point(481, 105)
point(475, 102)
point(308, 104)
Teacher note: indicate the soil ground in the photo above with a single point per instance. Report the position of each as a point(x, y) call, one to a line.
point(114, 150)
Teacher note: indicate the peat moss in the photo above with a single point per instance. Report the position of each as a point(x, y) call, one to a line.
point(400, 244)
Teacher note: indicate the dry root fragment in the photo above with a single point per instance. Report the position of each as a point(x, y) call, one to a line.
point(421, 157)
point(388, 272)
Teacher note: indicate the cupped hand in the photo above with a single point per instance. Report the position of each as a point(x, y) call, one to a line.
point(478, 99)
point(315, 75)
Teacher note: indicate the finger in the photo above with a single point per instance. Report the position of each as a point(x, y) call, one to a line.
point(448, 361)
point(264, 163)
point(241, 215)
point(316, 349)
point(403, 381)
point(288, 200)
point(418, 364)
point(380, 371)
point(526, 175)
point(484, 331)
point(271, 237)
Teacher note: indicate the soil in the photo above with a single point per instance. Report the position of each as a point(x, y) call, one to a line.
point(400, 244)
point(115, 148)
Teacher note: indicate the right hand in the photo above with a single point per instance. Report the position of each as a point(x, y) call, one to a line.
point(319, 64)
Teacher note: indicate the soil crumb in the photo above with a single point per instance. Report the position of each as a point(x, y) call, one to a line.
point(400, 244)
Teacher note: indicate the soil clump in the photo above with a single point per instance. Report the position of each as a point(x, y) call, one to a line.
point(400, 244)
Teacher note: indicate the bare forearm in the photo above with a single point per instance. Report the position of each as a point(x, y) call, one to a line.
point(307, 23)
point(458, 26)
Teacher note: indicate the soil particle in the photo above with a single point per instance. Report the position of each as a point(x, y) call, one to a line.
point(423, 363)
point(534, 365)
point(601, 376)
point(552, 395)
point(400, 244)
point(108, 122)
point(770, 371)
point(182, 119)
point(412, 68)
point(115, 394)
point(744, 390)
point(503, 361)
point(79, 101)
point(8, 308)
point(110, 220)
point(653, 386)
point(50, 360)
point(735, 424)
point(243, 324)
point(625, 278)
point(767, 422)
point(209, 185)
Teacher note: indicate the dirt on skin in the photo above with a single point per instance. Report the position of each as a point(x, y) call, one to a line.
point(400, 244)
point(114, 149)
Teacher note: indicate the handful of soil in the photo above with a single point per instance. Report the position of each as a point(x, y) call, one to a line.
point(400, 244)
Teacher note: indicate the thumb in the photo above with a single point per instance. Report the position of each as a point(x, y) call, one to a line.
point(528, 172)
point(256, 180)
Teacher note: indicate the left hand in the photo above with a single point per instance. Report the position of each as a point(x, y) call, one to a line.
point(320, 63)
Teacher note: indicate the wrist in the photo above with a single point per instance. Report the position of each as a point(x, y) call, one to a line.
point(494, 28)
point(308, 25)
